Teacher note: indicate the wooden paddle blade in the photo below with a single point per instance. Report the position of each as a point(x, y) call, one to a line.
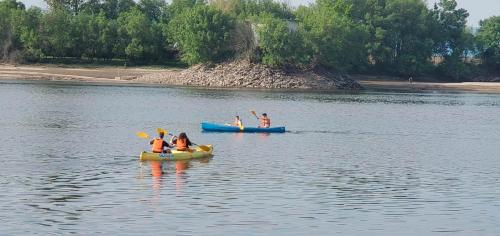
point(142, 135)
point(254, 113)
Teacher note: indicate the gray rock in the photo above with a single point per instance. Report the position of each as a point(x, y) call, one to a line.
point(245, 74)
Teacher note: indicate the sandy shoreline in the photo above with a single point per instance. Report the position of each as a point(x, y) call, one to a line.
point(489, 87)
point(54, 73)
point(117, 75)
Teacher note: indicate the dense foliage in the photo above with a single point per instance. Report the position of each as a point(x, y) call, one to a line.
point(279, 45)
point(336, 40)
point(201, 34)
point(395, 37)
point(488, 42)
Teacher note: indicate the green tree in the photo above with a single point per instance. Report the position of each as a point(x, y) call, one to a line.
point(488, 41)
point(201, 33)
point(338, 43)
point(73, 6)
point(405, 46)
point(10, 12)
point(55, 35)
point(178, 6)
point(135, 35)
point(92, 7)
point(152, 8)
point(452, 40)
point(29, 27)
point(108, 36)
point(281, 42)
point(245, 9)
point(86, 30)
point(12, 4)
point(114, 8)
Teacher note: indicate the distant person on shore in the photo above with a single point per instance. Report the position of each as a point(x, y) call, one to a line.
point(159, 145)
point(182, 142)
point(265, 122)
point(410, 80)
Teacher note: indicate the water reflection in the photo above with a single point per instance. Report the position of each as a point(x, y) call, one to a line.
point(238, 136)
point(264, 136)
point(156, 169)
point(180, 174)
point(160, 170)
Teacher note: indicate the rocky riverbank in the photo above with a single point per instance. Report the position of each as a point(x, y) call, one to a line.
point(243, 76)
point(248, 75)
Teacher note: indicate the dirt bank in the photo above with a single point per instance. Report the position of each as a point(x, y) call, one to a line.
point(50, 72)
point(424, 84)
point(242, 74)
point(235, 78)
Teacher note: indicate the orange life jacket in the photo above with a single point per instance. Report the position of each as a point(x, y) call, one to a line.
point(265, 122)
point(157, 145)
point(181, 144)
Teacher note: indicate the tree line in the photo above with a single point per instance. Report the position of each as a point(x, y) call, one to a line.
point(395, 37)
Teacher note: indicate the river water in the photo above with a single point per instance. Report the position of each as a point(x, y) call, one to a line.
point(369, 163)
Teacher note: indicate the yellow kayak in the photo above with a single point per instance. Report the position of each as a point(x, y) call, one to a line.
point(193, 153)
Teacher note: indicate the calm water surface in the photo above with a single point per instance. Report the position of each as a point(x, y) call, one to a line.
point(351, 164)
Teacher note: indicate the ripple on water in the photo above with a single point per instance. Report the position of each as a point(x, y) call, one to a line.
point(350, 164)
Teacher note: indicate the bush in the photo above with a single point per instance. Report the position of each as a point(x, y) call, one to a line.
point(202, 34)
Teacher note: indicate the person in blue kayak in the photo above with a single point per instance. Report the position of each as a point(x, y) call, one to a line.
point(265, 122)
point(237, 122)
point(159, 145)
point(182, 142)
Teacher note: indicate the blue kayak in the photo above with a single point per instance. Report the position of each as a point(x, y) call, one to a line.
point(227, 128)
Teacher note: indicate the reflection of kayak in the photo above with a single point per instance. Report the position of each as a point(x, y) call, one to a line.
point(226, 128)
point(194, 153)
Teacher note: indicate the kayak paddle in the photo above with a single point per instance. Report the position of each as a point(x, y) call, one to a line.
point(202, 147)
point(160, 130)
point(142, 135)
point(255, 114)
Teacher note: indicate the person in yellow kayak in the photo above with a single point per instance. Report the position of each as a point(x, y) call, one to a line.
point(159, 145)
point(182, 142)
point(237, 122)
point(265, 122)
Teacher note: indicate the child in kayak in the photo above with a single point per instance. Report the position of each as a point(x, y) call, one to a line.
point(238, 122)
point(159, 145)
point(265, 122)
point(182, 142)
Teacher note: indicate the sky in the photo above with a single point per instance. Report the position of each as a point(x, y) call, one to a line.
point(478, 9)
